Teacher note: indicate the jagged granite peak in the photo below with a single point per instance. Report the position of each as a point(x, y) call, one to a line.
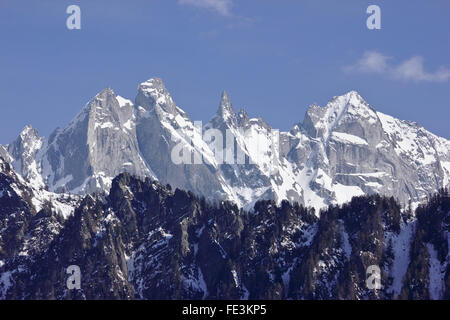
point(321, 121)
point(348, 148)
point(225, 116)
point(96, 146)
point(162, 129)
point(30, 192)
point(23, 151)
point(226, 109)
point(28, 141)
point(256, 170)
point(153, 94)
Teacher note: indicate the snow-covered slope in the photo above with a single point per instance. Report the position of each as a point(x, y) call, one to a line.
point(36, 196)
point(254, 168)
point(85, 156)
point(351, 149)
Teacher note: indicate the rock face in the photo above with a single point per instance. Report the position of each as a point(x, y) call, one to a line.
point(97, 145)
point(252, 165)
point(30, 220)
point(342, 150)
point(23, 153)
point(163, 129)
point(146, 241)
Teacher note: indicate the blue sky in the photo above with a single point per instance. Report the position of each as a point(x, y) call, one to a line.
point(274, 58)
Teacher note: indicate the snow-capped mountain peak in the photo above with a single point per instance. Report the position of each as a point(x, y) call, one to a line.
point(225, 116)
point(28, 132)
point(226, 109)
point(23, 152)
point(153, 94)
point(320, 122)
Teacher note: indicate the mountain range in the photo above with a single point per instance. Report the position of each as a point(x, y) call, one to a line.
point(304, 217)
point(341, 150)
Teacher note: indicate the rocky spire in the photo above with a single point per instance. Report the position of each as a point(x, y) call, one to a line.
point(225, 114)
point(153, 93)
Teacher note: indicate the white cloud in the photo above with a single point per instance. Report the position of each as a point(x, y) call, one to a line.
point(222, 7)
point(413, 69)
point(409, 70)
point(371, 62)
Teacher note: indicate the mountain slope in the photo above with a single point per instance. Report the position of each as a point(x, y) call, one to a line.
point(348, 149)
point(146, 241)
point(172, 144)
point(95, 147)
point(251, 161)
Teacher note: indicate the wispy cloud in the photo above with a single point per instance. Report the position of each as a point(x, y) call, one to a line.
point(371, 62)
point(409, 70)
point(222, 7)
point(413, 69)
